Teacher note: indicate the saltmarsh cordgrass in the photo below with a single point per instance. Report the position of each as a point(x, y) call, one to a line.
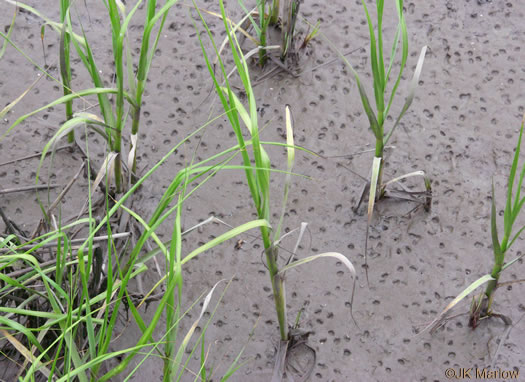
point(76, 313)
point(285, 14)
point(257, 165)
point(289, 19)
point(128, 99)
point(481, 305)
point(76, 303)
point(119, 28)
point(381, 74)
point(265, 17)
point(56, 349)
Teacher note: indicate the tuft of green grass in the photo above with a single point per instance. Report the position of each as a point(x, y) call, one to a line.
point(76, 314)
point(289, 19)
point(382, 73)
point(88, 282)
point(257, 165)
point(265, 15)
point(128, 99)
point(481, 305)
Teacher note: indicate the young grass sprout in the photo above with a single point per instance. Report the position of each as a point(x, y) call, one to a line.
point(258, 170)
point(381, 74)
point(481, 305)
point(266, 15)
point(128, 100)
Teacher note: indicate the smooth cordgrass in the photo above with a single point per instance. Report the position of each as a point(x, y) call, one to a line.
point(258, 169)
point(79, 312)
point(289, 19)
point(265, 15)
point(382, 73)
point(274, 13)
point(481, 305)
point(129, 84)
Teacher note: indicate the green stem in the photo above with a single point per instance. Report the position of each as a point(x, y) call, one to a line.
point(496, 271)
point(69, 115)
point(135, 129)
point(274, 17)
point(65, 67)
point(118, 41)
point(379, 153)
point(279, 292)
point(118, 172)
point(262, 50)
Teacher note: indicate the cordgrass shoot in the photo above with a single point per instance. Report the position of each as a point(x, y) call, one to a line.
point(381, 74)
point(128, 100)
point(481, 305)
point(258, 171)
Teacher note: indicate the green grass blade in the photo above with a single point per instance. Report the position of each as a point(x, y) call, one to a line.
point(9, 31)
point(411, 93)
point(390, 65)
point(517, 198)
point(229, 108)
point(59, 101)
point(86, 55)
point(515, 237)
point(375, 64)
point(494, 228)
point(509, 214)
point(254, 24)
point(291, 161)
point(404, 53)
point(380, 60)
point(64, 60)
point(468, 290)
point(56, 26)
point(226, 236)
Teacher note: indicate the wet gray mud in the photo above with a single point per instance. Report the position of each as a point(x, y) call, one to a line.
point(461, 129)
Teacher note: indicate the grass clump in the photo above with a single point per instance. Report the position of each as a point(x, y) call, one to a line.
point(278, 14)
point(481, 305)
point(70, 303)
point(258, 170)
point(384, 95)
point(129, 83)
